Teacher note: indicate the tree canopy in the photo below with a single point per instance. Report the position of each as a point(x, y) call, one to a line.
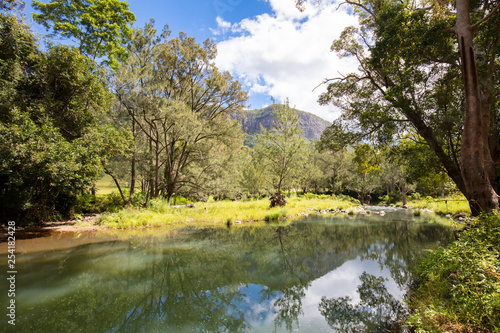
point(98, 27)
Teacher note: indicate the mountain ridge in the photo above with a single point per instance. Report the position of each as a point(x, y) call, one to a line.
point(311, 125)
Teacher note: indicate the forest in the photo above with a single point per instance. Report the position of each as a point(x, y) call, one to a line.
point(153, 111)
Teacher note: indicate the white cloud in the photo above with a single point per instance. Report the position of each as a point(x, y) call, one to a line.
point(287, 54)
point(222, 26)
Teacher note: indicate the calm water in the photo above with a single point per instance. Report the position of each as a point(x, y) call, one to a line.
point(318, 274)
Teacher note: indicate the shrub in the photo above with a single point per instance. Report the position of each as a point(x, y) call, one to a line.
point(459, 286)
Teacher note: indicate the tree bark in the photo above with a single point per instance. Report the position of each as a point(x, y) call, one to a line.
point(132, 162)
point(474, 152)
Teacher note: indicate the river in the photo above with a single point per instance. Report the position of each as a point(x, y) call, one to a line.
point(340, 273)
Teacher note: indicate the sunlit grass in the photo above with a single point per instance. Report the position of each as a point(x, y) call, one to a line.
point(442, 206)
point(106, 185)
point(160, 213)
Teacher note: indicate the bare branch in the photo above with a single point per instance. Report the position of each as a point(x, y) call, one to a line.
point(359, 5)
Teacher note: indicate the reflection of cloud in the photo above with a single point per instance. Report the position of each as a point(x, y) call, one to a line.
point(289, 51)
point(258, 312)
point(343, 281)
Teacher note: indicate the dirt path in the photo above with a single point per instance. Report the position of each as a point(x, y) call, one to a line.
point(86, 223)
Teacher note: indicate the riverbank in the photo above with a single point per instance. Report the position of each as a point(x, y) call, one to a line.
point(160, 213)
point(457, 288)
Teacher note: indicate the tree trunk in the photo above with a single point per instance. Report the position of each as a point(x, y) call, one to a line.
point(157, 169)
point(404, 194)
point(132, 163)
point(117, 184)
point(474, 151)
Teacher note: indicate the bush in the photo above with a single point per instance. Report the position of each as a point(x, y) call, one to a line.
point(458, 287)
point(90, 204)
point(348, 198)
point(414, 196)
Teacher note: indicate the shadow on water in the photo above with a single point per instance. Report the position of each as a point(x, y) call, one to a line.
point(318, 274)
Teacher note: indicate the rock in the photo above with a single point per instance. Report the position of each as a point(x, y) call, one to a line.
point(459, 215)
point(382, 213)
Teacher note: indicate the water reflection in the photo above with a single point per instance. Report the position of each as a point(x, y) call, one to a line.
point(377, 311)
point(314, 275)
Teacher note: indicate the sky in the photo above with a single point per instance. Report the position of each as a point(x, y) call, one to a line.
point(272, 48)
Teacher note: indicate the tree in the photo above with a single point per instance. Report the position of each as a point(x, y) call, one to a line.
point(477, 164)
point(52, 145)
point(99, 27)
point(400, 71)
point(178, 104)
point(9, 5)
point(367, 163)
point(282, 147)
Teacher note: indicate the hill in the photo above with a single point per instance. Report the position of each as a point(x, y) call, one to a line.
point(311, 125)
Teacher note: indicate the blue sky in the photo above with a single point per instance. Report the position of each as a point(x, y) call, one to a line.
point(274, 50)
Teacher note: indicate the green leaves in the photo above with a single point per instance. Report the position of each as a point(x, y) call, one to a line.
point(462, 282)
point(179, 103)
point(282, 149)
point(99, 27)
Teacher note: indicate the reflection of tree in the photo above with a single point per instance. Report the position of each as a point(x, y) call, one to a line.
point(198, 280)
point(289, 304)
point(377, 311)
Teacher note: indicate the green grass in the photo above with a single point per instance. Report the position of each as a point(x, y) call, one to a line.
point(106, 185)
point(160, 213)
point(458, 287)
point(275, 216)
point(443, 206)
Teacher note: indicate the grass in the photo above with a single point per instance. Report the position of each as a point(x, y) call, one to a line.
point(444, 206)
point(106, 185)
point(458, 287)
point(160, 213)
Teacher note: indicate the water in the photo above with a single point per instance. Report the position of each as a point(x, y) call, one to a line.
point(317, 274)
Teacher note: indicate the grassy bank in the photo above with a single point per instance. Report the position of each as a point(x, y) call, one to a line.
point(442, 206)
point(159, 213)
point(458, 287)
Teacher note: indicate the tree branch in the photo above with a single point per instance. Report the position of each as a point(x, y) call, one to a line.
point(475, 25)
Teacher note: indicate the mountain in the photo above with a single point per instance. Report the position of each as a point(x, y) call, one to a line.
point(311, 125)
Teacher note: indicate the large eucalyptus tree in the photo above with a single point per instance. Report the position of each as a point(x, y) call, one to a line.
point(412, 75)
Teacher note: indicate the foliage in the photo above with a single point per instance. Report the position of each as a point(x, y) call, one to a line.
point(95, 204)
point(281, 150)
point(275, 216)
point(40, 171)
point(407, 84)
point(9, 5)
point(458, 287)
point(99, 27)
point(52, 144)
point(178, 105)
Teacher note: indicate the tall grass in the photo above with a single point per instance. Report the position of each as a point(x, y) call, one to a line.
point(160, 213)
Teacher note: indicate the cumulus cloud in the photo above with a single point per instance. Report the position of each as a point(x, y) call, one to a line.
point(222, 26)
point(287, 53)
